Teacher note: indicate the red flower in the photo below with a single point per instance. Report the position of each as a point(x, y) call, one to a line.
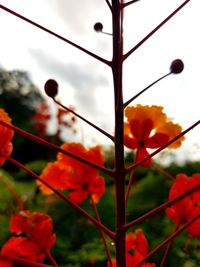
point(137, 248)
point(81, 180)
point(6, 136)
point(37, 239)
point(148, 127)
point(186, 209)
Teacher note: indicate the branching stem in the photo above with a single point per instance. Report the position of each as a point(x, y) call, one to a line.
point(155, 30)
point(85, 120)
point(169, 239)
point(56, 148)
point(162, 147)
point(56, 35)
point(21, 261)
point(145, 89)
point(161, 207)
point(66, 199)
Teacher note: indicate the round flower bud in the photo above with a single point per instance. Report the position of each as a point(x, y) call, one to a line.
point(177, 66)
point(98, 27)
point(51, 88)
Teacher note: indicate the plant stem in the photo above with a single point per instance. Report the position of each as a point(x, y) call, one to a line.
point(129, 186)
point(53, 262)
point(120, 220)
point(55, 34)
point(85, 120)
point(13, 192)
point(145, 89)
point(101, 232)
point(167, 249)
point(162, 207)
point(56, 148)
point(66, 199)
point(163, 147)
point(21, 261)
point(159, 169)
point(155, 29)
point(169, 239)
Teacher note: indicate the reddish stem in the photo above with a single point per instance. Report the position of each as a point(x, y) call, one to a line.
point(120, 218)
point(21, 261)
point(169, 245)
point(109, 5)
point(130, 2)
point(155, 29)
point(101, 232)
point(145, 89)
point(162, 207)
point(55, 148)
point(52, 260)
point(129, 186)
point(162, 147)
point(13, 192)
point(85, 120)
point(169, 239)
point(66, 199)
point(159, 169)
point(55, 34)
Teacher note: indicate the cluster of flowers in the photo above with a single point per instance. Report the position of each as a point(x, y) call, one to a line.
point(146, 127)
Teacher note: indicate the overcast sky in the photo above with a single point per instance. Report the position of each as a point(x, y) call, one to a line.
point(86, 83)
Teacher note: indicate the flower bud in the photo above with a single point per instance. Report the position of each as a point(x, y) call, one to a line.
point(98, 27)
point(51, 88)
point(177, 66)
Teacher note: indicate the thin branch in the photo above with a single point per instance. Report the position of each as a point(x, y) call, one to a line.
point(162, 171)
point(62, 196)
point(101, 232)
point(129, 3)
point(129, 186)
point(21, 261)
point(166, 241)
point(155, 30)
point(161, 207)
point(56, 35)
point(56, 148)
point(162, 147)
point(169, 245)
point(85, 120)
point(51, 258)
point(109, 5)
point(145, 89)
point(13, 193)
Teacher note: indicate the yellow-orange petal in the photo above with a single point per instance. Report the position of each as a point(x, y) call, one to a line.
point(141, 113)
point(172, 130)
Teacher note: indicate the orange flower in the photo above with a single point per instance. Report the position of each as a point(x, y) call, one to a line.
point(186, 209)
point(33, 237)
point(55, 174)
point(81, 180)
point(148, 127)
point(6, 136)
point(137, 248)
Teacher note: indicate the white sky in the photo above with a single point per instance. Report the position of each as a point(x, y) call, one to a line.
point(85, 82)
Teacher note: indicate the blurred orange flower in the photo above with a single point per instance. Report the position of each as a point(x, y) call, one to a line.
point(147, 127)
point(33, 237)
point(189, 207)
point(67, 173)
point(6, 136)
